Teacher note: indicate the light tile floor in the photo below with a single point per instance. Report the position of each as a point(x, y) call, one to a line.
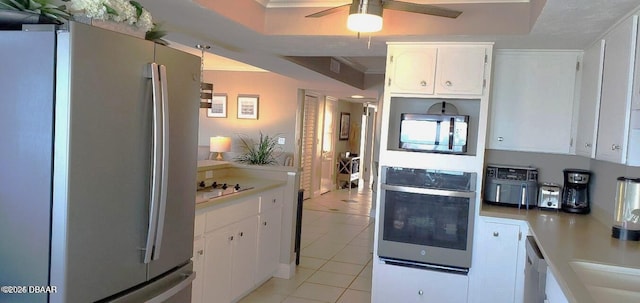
point(337, 246)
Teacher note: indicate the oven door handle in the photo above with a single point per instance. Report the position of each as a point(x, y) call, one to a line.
point(429, 191)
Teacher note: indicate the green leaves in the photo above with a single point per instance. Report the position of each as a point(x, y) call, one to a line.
point(138, 7)
point(156, 34)
point(261, 153)
point(42, 7)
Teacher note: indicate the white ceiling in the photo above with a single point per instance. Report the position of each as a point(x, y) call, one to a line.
point(260, 32)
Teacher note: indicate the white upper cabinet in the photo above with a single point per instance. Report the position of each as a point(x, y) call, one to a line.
point(412, 69)
point(460, 70)
point(437, 69)
point(590, 90)
point(617, 84)
point(532, 101)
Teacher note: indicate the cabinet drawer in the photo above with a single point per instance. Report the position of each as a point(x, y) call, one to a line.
point(232, 213)
point(391, 282)
point(270, 200)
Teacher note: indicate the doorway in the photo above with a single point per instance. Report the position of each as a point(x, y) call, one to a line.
point(327, 180)
point(367, 143)
point(309, 143)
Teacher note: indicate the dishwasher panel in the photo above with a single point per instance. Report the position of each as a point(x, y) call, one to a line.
point(535, 273)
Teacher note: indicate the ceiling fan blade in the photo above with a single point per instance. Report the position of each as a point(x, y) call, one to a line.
point(328, 11)
point(421, 9)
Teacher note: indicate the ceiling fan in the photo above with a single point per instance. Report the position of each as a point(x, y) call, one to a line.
point(366, 16)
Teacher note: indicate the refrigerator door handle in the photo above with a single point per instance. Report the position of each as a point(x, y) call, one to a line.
point(164, 158)
point(163, 297)
point(156, 164)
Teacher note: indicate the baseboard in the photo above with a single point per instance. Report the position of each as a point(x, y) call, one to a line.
point(286, 271)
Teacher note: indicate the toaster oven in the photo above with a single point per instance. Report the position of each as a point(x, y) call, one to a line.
point(511, 186)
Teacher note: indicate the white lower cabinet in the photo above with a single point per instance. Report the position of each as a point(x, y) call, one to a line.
point(393, 283)
point(236, 247)
point(230, 261)
point(269, 225)
point(552, 290)
point(243, 256)
point(217, 266)
point(198, 265)
point(497, 270)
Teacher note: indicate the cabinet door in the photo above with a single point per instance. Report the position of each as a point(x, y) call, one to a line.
point(532, 101)
point(217, 266)
point(613, 127)
point(496, 263)
point(268, 244)
point(244, 256)
point(590, 89)
point(410, 285)
point(460, 70)
point(271, 199)
point(198, 267)
point(412, 70)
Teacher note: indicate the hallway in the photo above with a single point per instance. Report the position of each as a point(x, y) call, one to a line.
point(337, 245)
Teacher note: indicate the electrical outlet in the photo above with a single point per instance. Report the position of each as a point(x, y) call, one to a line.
point(281, 140)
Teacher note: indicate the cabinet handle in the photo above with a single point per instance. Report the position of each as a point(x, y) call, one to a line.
point(587, 145)
point(448, 83)
point(201, 252)
point(420, 292)
point(230, 238)
point(495, 233)
point(241, 234)
point(500, 139)
point(615, 147)
point(274, 201)
point(264, 223)
point(423, 83)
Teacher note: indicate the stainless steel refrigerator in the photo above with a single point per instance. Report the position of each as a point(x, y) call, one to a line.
point(98, 144)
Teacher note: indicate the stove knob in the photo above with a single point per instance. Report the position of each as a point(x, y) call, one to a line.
point(201, 184)
point(549, 203)
point(237, 187)
point(224, 186)
point(214, 185)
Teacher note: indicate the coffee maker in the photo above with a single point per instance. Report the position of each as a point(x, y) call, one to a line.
point(575, 194)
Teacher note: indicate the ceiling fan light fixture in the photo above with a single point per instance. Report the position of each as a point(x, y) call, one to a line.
point(365, 16)
point(364, 23)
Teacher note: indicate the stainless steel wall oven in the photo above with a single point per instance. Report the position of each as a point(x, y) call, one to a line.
point(426, 218)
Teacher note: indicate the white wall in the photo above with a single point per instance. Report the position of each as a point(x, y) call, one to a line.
point(277, 108)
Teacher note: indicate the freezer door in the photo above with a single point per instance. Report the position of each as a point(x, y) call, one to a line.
point(26, 133)
point(175, 227)
point(102, 164)
point(172, 287)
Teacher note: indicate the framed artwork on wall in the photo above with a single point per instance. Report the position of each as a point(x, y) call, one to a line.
point(218, 106)
point(344, 126)
point(248, 106)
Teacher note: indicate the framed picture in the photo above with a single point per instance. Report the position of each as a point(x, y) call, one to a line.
point(344, 126)
point(218, 106)
point(248, 107)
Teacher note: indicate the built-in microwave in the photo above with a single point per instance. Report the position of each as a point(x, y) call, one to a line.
point(434, 133)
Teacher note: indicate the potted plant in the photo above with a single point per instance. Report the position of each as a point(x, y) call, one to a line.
point(14, 13)
point(263, 152)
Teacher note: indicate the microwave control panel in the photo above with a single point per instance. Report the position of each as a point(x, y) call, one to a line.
point(512, 173)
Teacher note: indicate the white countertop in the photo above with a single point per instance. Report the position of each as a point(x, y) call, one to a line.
point(564, 237)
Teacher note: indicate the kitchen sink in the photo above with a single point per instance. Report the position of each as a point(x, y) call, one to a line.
point(608, 283)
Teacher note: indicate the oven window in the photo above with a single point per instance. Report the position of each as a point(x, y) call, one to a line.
point(422, 219)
